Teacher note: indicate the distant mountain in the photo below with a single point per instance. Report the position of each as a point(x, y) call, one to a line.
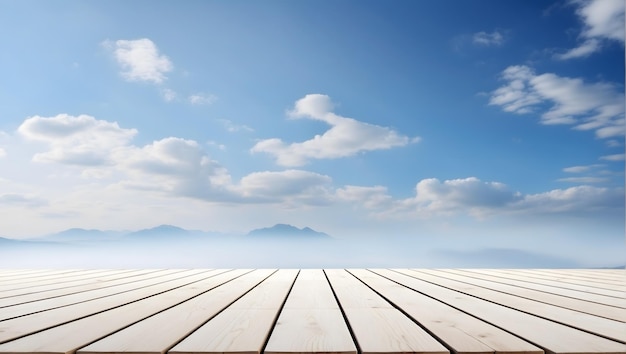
point(8, 241)
point(161, 232)
point(288, 231)
point(78, 234)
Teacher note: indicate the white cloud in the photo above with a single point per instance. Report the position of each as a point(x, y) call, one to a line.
point(169, 95)
point(613, 143)
point(614, 157)
point(579, 199)
point(202, 98)
point(595, 106)
point(232, 127)
point(583, 180)
point(140, 60)
point(580, 169)
point(370, 197)
point(3, 153)
point(603, 20)
point(303, 187)
point(171, 166)
point(488, 39)
point(471, 196)
point(216, 144)
point(80, 140)
point(13, 199)
point(346, 137)
point(434, 195)
point(589, 47)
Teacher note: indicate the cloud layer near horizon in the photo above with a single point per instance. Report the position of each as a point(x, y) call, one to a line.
point(102, 153)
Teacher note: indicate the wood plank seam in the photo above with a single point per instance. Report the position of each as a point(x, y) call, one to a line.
point(526, 312)
point(546, 350)
point(343, 314)
point(524, 287)
point(65, 287)
point(280, 309)
point(452, 350)
point(78, 290)
point(111, 308)
point(220, 311)
point(164, 309)
point(565, 284)
point(82, 301)
point(554, 303)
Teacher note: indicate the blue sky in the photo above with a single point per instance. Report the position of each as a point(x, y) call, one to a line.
point(502, 122)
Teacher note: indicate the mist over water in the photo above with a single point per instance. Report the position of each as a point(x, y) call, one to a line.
point(389, 252)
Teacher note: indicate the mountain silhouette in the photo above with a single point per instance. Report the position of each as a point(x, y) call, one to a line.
point(160, 232)
point(288, 231)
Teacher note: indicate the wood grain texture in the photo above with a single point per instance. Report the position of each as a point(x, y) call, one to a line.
point(311, 321)
point(161, 331)
point(69, 337)
point(245, 325)
point(591, 308)
point(545, 333)
point(571, 293)
point(377, 326)
point(354, 311)
point(460, 331)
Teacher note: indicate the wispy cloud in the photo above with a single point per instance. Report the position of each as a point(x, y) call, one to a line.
point(614, 157)
point(232, 127)
point(583, 180)
point(581, 169)
point(29, 201)
point(603, 20)
point(346, 137)
point(588, 106)
point(3, 153)
point(471, 196)
point(140, 60)
point(169, 95)
point(202, 98)
point(494, 38)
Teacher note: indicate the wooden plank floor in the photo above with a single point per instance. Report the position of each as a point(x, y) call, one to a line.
point(326, 311)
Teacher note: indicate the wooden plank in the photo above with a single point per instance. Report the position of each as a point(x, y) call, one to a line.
point(42, 272)
point(10, 312)
point(614, 274)
point(21, 326)
point(461, 332)
point(551, 336)
point(602, 326)
point(244, 326)
point(55, 279)
point(610, 312)
point(52, 274)
point(69, 337)
point(49, 291)
point(563, 275)
point(563, 280)
point(576, 294)
point(377, 326)
point(516, 276)
point(160, 332)
point(583, 274)
point(311, 321)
